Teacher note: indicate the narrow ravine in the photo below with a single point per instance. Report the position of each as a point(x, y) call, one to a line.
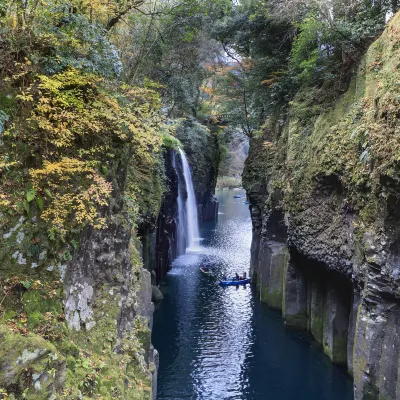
point(222, 343)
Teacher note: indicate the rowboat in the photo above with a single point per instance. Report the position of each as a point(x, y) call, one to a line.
point(231, 282)
point(205, 271)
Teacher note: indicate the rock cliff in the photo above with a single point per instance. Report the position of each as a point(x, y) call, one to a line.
point(324, 195)
point(79, 328)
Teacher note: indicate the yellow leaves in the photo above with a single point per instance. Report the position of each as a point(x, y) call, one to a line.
point(67, 166)
point(4, 201)
point(208, 90)
point(25, 97)
point(66, 181)
point(4, 165)
point(76, 123)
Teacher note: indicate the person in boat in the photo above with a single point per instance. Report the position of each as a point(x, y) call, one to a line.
point(242, 277)
point(237, 277)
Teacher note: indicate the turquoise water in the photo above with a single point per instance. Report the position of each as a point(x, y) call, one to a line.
point(220, 343)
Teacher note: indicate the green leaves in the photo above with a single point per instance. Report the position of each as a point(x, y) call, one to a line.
point(26, 284)
point(39, 202)
point(30, 195)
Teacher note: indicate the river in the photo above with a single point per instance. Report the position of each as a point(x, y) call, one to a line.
point(218, 343)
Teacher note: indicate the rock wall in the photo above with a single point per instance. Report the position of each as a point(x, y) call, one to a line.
point(165, 245)
point(81, 328)
point(324, 203)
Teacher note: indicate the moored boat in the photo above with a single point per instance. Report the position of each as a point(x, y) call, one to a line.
point(205, 271)
point(232, 282)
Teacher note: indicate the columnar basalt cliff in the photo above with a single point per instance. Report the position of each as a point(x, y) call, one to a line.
point(325, 211)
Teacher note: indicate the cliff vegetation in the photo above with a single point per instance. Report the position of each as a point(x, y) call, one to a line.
point(322, 175)
point(90, 101)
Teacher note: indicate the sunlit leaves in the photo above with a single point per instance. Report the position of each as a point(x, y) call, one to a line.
point(79, 123)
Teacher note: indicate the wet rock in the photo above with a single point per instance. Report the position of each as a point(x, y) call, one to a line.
point(294, 309)
point(156, 294)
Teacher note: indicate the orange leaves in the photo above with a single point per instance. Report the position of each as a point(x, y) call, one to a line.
point(269, 82)
point(208, 90)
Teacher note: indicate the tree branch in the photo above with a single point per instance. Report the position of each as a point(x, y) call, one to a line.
point(114, 20)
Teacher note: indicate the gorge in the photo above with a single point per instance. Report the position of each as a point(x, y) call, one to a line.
point(117, 118)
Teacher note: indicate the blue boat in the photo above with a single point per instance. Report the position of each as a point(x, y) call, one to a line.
point(237, 196)
point(231, 282)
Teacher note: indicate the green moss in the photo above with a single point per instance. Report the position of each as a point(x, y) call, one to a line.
point(36, 303)
point(27, 358)
point(171, 142)
point(203, 150)
point(340, 349)
point(317, 328)
point(9, 314)
point(272, 297)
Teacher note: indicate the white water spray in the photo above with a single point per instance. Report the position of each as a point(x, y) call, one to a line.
point(192, 223)
point(181, 221)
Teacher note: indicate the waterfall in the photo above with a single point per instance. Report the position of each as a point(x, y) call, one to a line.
point(181, 221)
point(190, 208)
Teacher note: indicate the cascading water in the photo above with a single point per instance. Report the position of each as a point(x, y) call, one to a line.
point(181, 221)
point(190, 209)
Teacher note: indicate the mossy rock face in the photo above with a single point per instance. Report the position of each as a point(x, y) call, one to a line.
point(41, 353)
point(334, 173)
point(30, 365)
point(341, 170)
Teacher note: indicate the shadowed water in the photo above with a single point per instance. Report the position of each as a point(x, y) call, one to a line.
point(220, 342)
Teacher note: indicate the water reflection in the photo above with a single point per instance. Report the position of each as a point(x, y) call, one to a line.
point(220, 342)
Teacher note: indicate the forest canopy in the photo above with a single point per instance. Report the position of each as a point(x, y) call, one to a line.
point(79, 78)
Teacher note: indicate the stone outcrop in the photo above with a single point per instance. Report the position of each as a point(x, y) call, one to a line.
point(325, 212)
point(83, 326)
